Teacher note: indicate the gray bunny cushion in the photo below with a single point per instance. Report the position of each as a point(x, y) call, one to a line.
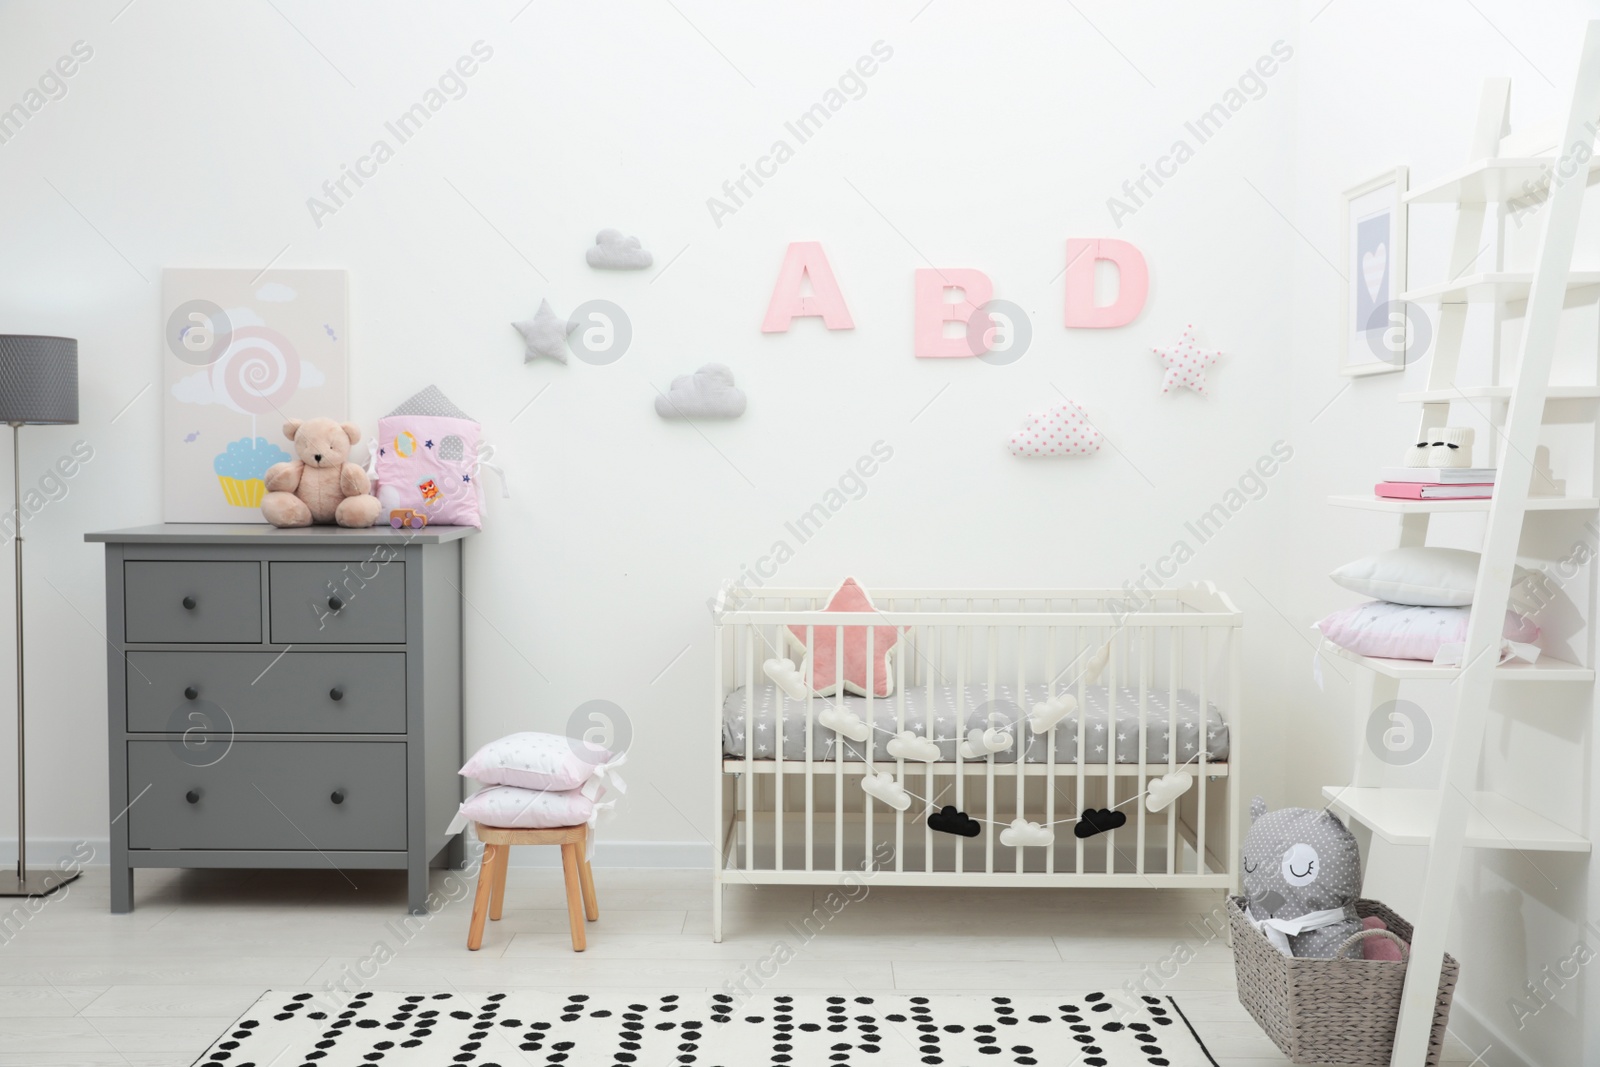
point(1302, 874)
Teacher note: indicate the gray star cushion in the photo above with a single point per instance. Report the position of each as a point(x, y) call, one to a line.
point(1301, 860)
point(1105, 729)
point(545, 334)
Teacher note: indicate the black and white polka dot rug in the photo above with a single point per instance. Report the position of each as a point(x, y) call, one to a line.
point(704, 1030)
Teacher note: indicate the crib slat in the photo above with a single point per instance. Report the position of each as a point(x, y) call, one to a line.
point(1144, 716)
point(902, 639)
point(961, 732)
point(928, 730)
point(1231, 792)
point(839, 741)
point(989, 757)
point(1050, 746)
point(1022, 722)
point(1173, 653)
point(749, 747)
point(1081, 651)
point(781, 698)
point(872, 736)
point(1200, 744)
point(811, 720)
point(1111, 679)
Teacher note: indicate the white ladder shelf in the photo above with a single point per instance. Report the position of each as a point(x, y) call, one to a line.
point(1456, 815)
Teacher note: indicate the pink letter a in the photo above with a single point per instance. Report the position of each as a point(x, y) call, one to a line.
point(806, 258)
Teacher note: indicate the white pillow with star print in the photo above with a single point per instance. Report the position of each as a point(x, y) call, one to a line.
point(426, 462)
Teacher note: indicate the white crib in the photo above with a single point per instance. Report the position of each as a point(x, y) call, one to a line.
point(807, 821)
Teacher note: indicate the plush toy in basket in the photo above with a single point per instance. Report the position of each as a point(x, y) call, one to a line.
point(1302, 875)
point(319, 485)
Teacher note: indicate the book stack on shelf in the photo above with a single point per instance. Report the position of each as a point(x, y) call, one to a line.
point(1436, 483)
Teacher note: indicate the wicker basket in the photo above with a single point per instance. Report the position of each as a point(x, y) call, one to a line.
point(1331, 1010)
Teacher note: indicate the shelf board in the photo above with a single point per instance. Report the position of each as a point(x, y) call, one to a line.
point(1491, 181)
point(1548, 669)
point(1492, 286)
point(1418, 507)
point(1497, 392)
point(1406, 817)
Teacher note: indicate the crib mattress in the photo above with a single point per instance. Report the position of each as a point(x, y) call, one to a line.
point(1108, 727)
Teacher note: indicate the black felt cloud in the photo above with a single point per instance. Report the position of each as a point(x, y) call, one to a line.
point(950, 820)
point(1098, 821)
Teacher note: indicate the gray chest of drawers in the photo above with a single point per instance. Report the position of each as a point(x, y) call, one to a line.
point(283, 698)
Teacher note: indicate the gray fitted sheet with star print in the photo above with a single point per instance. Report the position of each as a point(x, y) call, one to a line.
point(976, 707)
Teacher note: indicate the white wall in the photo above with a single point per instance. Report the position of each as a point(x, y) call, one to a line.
point(196, 133)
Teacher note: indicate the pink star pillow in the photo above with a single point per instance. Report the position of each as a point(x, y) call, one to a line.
point(1063, 430)
point(1186, 364)
point(825, 678)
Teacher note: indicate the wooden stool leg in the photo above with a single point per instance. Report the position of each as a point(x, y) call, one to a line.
point(569, 866)
point(480, 903)
point(591, 906)
point(497, 898)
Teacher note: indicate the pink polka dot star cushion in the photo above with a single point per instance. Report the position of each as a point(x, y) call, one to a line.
point(1186, 363)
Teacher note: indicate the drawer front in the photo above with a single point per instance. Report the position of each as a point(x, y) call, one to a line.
point(265, 692)
point(270, 795)
point(356, 602)
point(192, 600)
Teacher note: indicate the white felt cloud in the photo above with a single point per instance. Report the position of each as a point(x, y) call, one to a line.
point(1023, 833)
point(708, 393)
point(907, 745)
point(545, 334)
point(1045, 714)
point(786, 676)
point(980, 743)
point(841, 720)
point(1161, 792)
point(614, 251)
point(1097, 663)
point(886, 788)
point(1186, 363)
point(1061, 430)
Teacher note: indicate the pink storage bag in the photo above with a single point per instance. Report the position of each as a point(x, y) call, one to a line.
point(427, 458)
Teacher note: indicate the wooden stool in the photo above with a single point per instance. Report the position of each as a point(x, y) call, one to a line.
point(491, 898)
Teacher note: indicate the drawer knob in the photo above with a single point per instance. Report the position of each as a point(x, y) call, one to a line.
point(338, 796)
point(189, 602)
point(191, 693)
point(334, 603)
point(192, 796)
point(336, 693)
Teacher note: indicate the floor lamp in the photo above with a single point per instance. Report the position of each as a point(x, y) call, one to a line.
point(38, 385)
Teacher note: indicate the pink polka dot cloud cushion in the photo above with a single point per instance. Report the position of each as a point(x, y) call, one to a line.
point(1399, 631)
point(537, 761)
point(1062, 430)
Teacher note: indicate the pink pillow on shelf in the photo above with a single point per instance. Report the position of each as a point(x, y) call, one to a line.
point(539, 761)
point(1399, 631)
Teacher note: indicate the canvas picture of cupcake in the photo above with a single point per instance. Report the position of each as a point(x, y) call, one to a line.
point(242, 468)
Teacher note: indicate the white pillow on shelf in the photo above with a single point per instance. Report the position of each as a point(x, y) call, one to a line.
point(1423, 577)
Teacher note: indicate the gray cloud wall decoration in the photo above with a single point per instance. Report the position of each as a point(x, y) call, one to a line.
point(708, 393)
point(612, 250)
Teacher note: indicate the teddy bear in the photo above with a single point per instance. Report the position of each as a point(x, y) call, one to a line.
point(319, 486)
point(1302, 875)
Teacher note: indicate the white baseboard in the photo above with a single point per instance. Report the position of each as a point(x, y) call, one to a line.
point(663, 855)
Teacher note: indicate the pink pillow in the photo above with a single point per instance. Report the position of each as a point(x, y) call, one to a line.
point(528, 809)
point(1399, 631)
point(538, 761)
point(429, 463)
point(1378, 948)
point(825, 677)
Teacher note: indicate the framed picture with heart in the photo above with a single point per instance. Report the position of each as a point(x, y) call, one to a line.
point(1375, 317)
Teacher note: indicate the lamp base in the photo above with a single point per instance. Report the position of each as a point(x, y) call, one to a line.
point(34, 883)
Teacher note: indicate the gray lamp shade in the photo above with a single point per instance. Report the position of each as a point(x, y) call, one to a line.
point(38, 379)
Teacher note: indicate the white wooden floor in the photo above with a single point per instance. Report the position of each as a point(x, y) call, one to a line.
point(83, 987)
